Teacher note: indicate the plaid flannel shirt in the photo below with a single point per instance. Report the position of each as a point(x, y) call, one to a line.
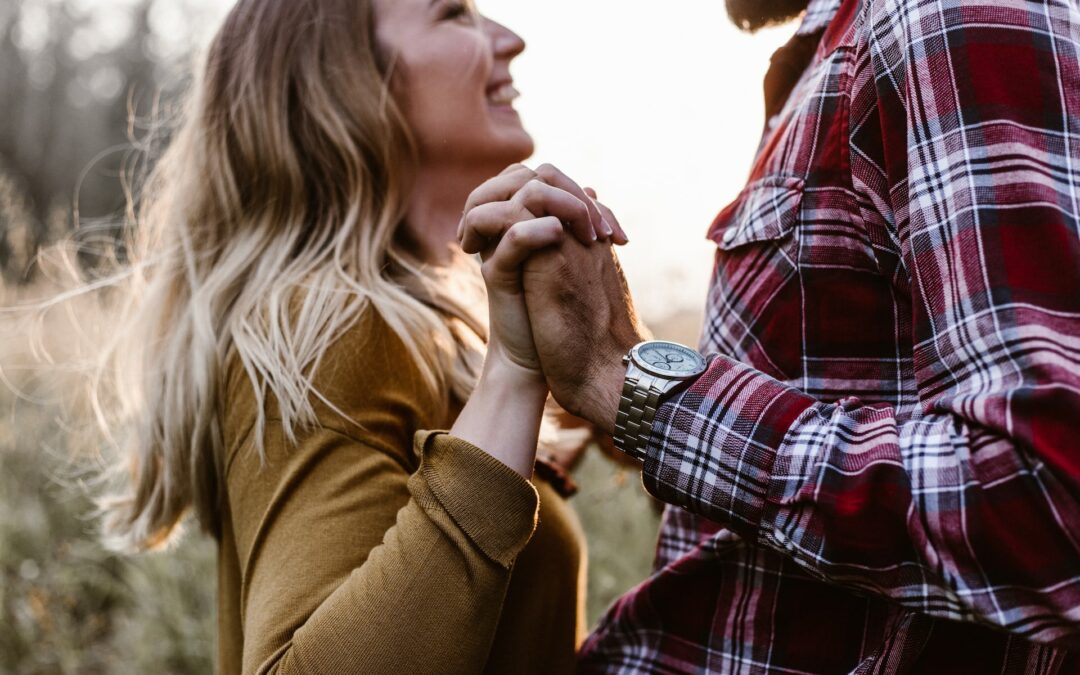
point(881, 473)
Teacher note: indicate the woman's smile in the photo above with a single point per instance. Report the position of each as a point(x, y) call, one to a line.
point(501, 96)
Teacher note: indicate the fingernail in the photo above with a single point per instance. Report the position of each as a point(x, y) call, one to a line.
point(606, 227)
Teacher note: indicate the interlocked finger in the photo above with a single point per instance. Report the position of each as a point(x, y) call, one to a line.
point(498, 189)
point(553, 176)
point(502, 265)
point(619, 237)
point(485, 224)
point(544, 199)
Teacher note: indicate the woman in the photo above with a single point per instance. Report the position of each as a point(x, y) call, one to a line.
point(300, 309)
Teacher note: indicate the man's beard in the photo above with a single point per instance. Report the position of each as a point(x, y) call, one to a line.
point(750, 15)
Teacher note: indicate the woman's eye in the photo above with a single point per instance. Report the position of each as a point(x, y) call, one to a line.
point(455, 11)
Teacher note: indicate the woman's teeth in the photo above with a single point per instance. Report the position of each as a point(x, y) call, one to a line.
point(504, 95)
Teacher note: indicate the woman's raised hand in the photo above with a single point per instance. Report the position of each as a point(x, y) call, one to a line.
point(506, 220)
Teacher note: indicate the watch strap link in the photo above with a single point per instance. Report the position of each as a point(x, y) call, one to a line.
point(634, 420)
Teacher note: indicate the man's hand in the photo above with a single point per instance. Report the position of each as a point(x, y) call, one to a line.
point(583, 324)
point(583, 320)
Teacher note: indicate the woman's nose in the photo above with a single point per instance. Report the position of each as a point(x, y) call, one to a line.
point(506, 42)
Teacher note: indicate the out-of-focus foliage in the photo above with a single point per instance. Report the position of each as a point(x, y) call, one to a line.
point(66, 604)
point(72, 72)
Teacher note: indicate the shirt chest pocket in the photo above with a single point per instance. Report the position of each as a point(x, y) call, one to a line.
point(755, 306)
point(766, 210)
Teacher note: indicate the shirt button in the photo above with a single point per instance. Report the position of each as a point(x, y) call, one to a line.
point(849, 403)
point(729, 236)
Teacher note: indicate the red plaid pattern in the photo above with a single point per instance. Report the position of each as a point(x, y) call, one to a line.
point(881, 474)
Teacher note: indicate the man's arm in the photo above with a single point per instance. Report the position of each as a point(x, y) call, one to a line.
point(970, 511)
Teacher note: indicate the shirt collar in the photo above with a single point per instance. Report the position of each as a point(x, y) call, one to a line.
point(818, 15)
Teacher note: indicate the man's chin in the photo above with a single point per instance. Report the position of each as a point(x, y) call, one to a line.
point(750, 15)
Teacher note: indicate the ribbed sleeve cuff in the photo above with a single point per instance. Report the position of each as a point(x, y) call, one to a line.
point(495, 507)
point(712, 448)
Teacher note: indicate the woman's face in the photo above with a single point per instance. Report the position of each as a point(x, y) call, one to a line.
point(452, 79)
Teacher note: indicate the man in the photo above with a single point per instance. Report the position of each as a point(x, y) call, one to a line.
point(880, 472)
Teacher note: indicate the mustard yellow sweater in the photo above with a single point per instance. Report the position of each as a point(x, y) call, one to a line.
point(372, 548)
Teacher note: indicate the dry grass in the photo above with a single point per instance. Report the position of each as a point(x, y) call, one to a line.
point(66, 604)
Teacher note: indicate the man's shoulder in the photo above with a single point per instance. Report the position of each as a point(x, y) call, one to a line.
point(922, 20)
point(939, 37)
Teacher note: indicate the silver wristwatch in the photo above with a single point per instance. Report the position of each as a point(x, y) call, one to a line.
point(655, 371)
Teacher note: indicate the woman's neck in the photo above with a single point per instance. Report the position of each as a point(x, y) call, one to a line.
point(435, 209)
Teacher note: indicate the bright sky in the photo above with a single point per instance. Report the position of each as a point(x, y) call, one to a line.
point(656, 106)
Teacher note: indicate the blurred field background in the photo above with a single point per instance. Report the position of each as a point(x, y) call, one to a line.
point(71, 74)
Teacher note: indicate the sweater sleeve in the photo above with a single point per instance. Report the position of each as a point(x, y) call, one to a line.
point(350, 564)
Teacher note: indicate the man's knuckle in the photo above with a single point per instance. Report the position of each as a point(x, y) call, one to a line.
point(472, 219)
point(550, 173)
point(515, 235)
point(530, 190)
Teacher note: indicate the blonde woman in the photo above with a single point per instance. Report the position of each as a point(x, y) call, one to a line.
point(300, 309)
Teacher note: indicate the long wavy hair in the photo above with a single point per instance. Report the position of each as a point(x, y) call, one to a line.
point(268, 225)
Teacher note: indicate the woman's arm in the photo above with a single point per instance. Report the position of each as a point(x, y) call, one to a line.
point(352, 565)
point(503, 414)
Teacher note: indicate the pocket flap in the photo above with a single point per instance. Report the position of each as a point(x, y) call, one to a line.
point(766, 209)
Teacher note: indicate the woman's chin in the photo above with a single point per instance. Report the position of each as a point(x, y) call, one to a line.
point(503, 152)
point(489, 154)
point(506, 125)
point(518, 144)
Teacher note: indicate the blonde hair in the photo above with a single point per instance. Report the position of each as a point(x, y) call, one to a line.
point(270, 223)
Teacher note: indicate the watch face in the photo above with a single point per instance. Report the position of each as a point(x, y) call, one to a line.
point(668, 359)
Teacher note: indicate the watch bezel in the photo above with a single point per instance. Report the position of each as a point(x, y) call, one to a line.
point(640, 363)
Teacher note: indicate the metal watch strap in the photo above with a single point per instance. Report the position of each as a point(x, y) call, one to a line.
point(633, 422)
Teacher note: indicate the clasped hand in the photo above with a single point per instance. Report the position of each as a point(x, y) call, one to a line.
point(558, 300)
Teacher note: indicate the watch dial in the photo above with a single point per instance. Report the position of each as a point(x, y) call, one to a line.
point(669, 358)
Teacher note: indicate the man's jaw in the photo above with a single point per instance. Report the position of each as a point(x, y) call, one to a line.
point(750, 15)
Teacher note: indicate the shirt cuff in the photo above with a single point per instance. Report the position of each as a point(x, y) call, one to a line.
point(491, 503)
point(712, 448)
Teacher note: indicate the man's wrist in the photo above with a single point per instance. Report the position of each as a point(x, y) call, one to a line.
point(601, 404)
point(604, 393)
